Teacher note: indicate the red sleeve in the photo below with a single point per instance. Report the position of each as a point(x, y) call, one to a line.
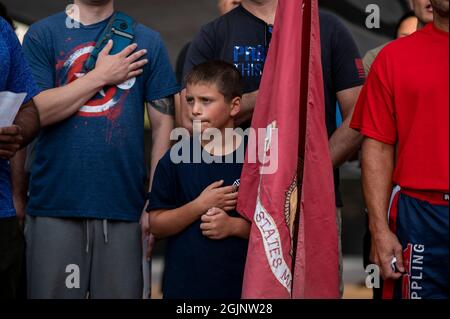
point(374, 114)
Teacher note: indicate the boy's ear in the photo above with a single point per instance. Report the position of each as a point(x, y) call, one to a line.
point(235, 106)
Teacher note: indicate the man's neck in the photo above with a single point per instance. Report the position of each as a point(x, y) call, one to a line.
point(441, 22)
point(93, 14)
point(265, 12)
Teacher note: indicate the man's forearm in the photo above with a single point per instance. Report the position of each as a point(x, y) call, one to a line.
point(58, 104)
point(160, 113)
point(28, 120)
point(377, 170)
point(344, 143)
point(166, 223)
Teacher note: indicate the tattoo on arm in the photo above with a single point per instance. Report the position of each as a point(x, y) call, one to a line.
point(165, 105)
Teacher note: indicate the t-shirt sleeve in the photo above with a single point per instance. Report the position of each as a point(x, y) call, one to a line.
point(164, 186)
point(38, 52)
point(20, 79)
point(374, 114)
point(347, 66)
point(161, 81)
point(202, 49)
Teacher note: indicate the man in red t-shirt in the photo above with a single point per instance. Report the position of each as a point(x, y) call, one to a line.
point(403, 112)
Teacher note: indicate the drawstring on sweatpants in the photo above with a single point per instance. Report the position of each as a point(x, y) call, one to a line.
point(105, 233)
point(105, 230)
point(87, 235)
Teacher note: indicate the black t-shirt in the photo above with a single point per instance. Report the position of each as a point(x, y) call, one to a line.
point(197, 267)
point(243, 39)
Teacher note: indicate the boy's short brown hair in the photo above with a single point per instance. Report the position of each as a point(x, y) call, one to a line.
point(224, 75)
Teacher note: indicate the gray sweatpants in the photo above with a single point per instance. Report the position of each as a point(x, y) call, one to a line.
point(83, 258)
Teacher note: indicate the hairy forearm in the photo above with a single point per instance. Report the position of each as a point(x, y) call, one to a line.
point(344, 143)
point(377, 171)
point(166, 223)
point(58, 104)
point(28, 120)
point(247, 107)
point(240, 227)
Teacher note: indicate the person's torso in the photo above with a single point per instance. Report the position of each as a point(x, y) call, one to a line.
point(419, 82)
point(196, 266)
point(6, 204)
point(92, 162)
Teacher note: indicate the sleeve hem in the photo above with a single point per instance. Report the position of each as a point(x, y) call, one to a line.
point(164, 93)
point(371, 134)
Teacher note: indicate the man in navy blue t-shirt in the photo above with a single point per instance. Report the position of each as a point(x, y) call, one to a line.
point(15, 77)
point(193, 199)
point(87, 186)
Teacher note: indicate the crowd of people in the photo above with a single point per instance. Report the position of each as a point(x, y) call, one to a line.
point(85, 200)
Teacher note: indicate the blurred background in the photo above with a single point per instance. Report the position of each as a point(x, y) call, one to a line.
point(179, 20)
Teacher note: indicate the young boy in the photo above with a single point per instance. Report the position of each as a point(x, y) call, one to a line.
point(193, 204)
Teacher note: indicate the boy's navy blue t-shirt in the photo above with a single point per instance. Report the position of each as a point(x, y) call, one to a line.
point(197, 267)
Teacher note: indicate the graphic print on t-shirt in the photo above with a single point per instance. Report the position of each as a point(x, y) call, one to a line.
point(108, 101)
point(249, 60)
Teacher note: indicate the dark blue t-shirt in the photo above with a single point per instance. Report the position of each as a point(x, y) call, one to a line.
point(243, 39)
point(15, 76)
point(197, 267)
point(92, 164)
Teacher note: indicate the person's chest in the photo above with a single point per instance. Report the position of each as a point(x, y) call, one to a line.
point(244, 45)
point(193, 179)
point(419, 85)
point(72, 48)
point(420, 80)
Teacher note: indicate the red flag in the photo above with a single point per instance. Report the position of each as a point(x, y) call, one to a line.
point(287, 192)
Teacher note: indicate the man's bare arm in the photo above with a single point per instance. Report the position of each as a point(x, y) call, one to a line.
point(161, 116)
point(377, 171)
point(25, 128)
point(28, 121)
point(345, 141)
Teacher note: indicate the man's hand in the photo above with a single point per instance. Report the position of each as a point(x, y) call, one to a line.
point(216, 224)
point(10, 141)
point(385, 246)
point(118, 68)
point(214, 195)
